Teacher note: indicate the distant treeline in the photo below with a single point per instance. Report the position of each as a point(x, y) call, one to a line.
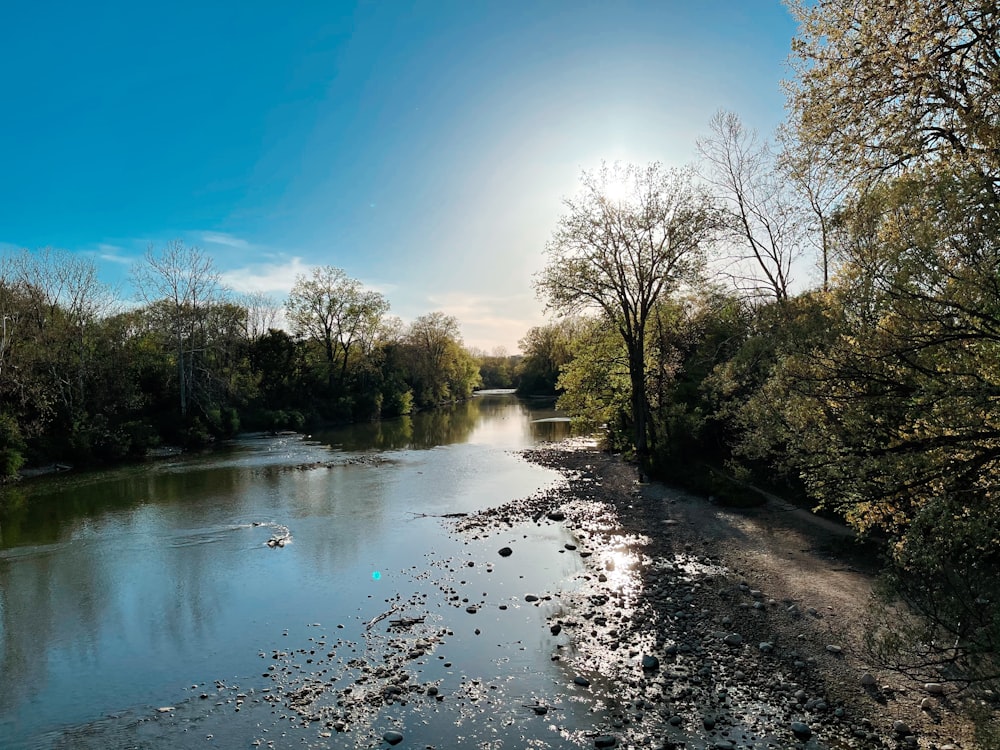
point(85, 378)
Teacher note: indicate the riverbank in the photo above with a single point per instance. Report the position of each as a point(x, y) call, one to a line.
point(701, 626)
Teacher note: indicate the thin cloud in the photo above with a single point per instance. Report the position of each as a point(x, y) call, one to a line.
point(222, 238)
point(112, 254)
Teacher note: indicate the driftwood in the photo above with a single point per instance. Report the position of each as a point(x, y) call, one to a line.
point(379, 618)
point(405, 622)
point(439, 515)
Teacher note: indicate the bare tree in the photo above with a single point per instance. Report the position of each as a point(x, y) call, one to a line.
point(765, 220)
point(184, 283)
point(261, 313)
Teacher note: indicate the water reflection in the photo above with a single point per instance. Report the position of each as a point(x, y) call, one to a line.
point(117, 587)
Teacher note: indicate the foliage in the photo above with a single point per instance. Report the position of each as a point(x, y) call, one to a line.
point(888, 85)
point(438, 368)
point(11, 447)
point(83, 381)
point(546, 350)
point(631, 236)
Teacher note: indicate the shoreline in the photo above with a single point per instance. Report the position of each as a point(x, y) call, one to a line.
point(719, 628)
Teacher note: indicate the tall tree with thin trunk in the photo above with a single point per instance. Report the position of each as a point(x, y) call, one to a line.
point(632, 235)
point(766, 223)
point(183, 282)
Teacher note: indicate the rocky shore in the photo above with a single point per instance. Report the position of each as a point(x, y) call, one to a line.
point(706, 627)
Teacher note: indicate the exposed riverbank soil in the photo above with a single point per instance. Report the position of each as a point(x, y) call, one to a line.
point(711, 627)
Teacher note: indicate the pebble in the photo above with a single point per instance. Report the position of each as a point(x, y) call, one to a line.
point(605, 740)
point(393, 738)
point(901, 728)
point(834, 648)
point(868, 680)
point(505, 552)
point(650, 662)
point(733, 639)
point(934, 688)
point(581, 681)
point(801, 730)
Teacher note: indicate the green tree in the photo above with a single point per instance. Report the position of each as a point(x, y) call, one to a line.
point(336, 312)
point(439, 368)
point(632, 236)
point(547, 349)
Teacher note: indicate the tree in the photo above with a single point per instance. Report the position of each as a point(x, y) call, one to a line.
point(547, 349)
point(632, 235)
point(887, 85)
point(181, 282)
point(763, 215)
point(439, 368)
point(337, 312)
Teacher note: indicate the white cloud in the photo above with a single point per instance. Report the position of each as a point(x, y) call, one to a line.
point(222, 238)
point(490, 321)
point(112, 254)
point(270, 278)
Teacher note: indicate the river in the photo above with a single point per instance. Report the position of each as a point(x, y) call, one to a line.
point(144, 607)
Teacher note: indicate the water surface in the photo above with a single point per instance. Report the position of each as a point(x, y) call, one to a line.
point(143, 588)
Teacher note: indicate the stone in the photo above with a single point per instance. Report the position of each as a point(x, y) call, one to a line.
point(505, 552)
point(393, 738)
point(868, 680)
point(581, 681)
point(605, 740)
point(733, 639)
point(801, 730)
point(834, 648)
point(531, 598)
point(934, 688)
point(557, 515)
point(927, 704)
point(650, 662)
point(901, 728)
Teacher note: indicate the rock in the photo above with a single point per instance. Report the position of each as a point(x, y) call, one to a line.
point(901, 728)
point(557, 515)
point(650, 662)
point(733, 639)
point(531, 598)
point(605, 740)
point(393, 738)
point(432, 690)
point(766, 647)
point(471, 610)
point(927, 704)
point(934, 688)
point(801, 730)
point(165, 709)
point(505, 552)
point(581, 681)
point(868, 680)
point(834, 648)
point(724, 745)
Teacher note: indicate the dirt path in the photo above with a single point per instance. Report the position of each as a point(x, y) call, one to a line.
point(717, 628)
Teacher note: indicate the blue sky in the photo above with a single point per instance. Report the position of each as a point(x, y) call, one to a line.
point(423, 147)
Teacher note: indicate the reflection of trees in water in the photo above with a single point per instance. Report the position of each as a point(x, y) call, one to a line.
point(122, 561)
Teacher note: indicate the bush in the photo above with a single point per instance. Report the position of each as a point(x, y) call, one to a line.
point(11, 447)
